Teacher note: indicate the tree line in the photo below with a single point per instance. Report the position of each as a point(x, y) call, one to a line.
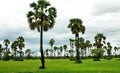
point(16, 48)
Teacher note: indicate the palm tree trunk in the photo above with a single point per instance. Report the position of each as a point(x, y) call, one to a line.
point(41, 48)
point(51, 53)
point(77, 49)
point(15, 55)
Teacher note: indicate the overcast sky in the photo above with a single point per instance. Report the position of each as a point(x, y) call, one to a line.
point(98, 16)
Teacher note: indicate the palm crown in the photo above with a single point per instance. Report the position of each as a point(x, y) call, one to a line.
point(76, 26)
point(43, 15)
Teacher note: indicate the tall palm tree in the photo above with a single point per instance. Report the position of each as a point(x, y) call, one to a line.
point(21, 44)
point(99, 42)
point(14, 46)
point(1, 51)
point(51, 42)
point(65, 48)
point(42, 17)
point(76, 27)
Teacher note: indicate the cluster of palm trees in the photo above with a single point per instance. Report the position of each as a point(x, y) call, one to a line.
point(56, 51)
point(16, 48)
point(42, 17)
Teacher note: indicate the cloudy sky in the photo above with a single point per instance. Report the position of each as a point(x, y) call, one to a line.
point(98, 16)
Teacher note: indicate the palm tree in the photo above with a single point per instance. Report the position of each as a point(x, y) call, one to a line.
point(65, 48)
point(1, 51)
point(81, 45)
point(109, 49)
point(116, 49)
point(51, 42)
point(6, 42)
point(76, 26)
point(89, 45)
point(6, 52)
point(28, 52)
point(41, 18)
point(99, 41)
point(47, 54)
point(61, 49)
point(21, 45)
point(14, 46)
point(55, 49)
point(71, 48)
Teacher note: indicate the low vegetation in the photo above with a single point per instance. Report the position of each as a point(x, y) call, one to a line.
point(61, 66)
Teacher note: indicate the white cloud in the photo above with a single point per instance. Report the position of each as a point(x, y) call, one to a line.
point(13, 22)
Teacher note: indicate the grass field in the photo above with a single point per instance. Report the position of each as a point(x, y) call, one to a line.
point(61, 66)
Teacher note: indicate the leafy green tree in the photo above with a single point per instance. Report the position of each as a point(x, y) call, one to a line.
point(76, 27)
point(21, 45)
point(51, 42)
point(28, 52)
point(14, 46)
point(99, 42)
point(42, 17)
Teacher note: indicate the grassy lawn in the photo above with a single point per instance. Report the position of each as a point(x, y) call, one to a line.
point(61, 66)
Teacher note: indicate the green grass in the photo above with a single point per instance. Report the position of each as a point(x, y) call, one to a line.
point(61, 66)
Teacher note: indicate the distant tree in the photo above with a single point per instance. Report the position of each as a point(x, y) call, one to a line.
point(99, 42)
point(1, 49)
point(6, 52)
point(47, 54)
point(21, 45)
point(41, 18)
point(71, 51)
point(61, 50)
point(109, 49)
point(116, 49)
point(81, 45)
point(76, 26)
point(14, 46)
point(51, 42)
point(65, 48)
point(28, 52)
point(88, 46)
point(55, 49)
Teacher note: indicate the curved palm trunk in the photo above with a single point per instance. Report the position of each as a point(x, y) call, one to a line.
point(77, 49)
point(41, 48)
